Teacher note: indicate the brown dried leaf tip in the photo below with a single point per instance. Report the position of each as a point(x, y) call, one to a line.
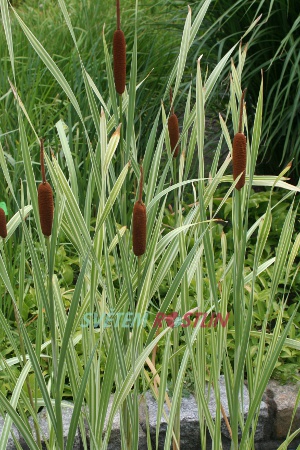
point(3, 229)
point(139, 223)
point(45, 200)
point(119, 55)
point(173, 128)
point(239, 153)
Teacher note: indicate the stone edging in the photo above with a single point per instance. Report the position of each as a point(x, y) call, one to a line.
point(273, 424)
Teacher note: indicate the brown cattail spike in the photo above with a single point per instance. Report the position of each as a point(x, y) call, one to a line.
point(239, 153)
point(139, 223)
point(3, 229)
point(119, 55)
point(45, 200)
point(173, 127)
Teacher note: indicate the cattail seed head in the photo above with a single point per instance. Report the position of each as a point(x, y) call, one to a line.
point(239, 159)
point(239, 150)
point(174, 134)
point(119, 55)
point(46, 207)
point(173, 128)
point(139, 222)
point(45, 198)
point(3, 229)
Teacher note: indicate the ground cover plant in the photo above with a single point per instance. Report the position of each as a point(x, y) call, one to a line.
point(65, 267)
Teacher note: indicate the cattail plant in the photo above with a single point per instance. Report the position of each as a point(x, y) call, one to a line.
point(239, 150)
point(45, 199)
point(139, 222)
point(173, 127)
point(3, 229)
point(119, 55)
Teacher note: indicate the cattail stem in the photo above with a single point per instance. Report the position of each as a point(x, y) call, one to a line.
point(118, 15)
point(141, 184)
point(241, 111)
point(124, 188)
point(239, 256)
point(171, 101)
point(55, 385)
point(139, 269)
point(176, 443)
point(175, 192)
point(42, 161)
point(239, 236)
point(52, 314)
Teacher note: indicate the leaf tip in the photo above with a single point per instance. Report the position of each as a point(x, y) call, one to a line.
point(117, 132)
point(198, 60)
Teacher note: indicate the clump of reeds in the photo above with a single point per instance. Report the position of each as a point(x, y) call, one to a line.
point(119, 55)
point(3, 229)
point(139, 222)
point(173, 128)
point(45, 199)
point(239, 155)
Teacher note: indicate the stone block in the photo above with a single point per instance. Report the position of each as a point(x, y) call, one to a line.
point(115, 435)
point(281, 400)
point(275, 444)
point(44, 428)
point(10, 443)
point(189, 421)
point(274, 420)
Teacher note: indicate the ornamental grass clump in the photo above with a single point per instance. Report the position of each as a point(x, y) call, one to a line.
point(3, 229)
point(173, 128)
point(45, 200)
point(239, 150)
point(119, 55)
point(139, 222)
